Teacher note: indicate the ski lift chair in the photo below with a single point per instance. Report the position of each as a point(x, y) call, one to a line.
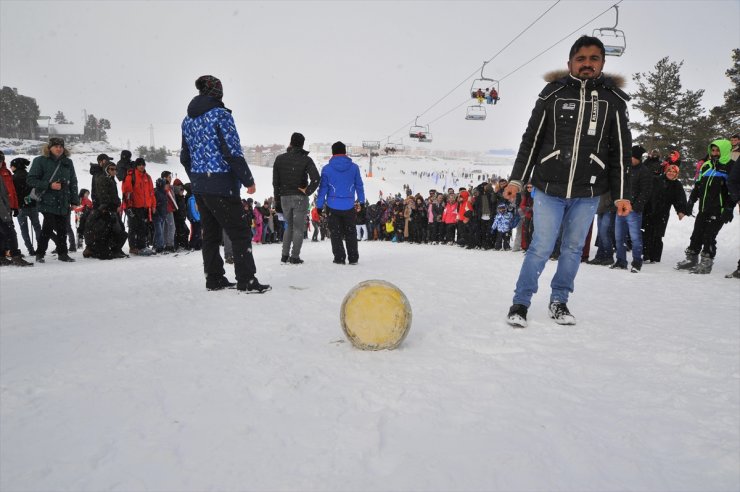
point(615, 43)
point(476, 112)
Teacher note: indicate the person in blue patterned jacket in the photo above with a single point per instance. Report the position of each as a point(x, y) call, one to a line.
point(214, 161)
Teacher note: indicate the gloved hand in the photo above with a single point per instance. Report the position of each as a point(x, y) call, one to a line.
point(727, 215)
point(690, 209)
point(15, 212)
point(129, 213)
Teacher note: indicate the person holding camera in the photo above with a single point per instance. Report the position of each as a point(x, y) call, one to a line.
point(54, 181)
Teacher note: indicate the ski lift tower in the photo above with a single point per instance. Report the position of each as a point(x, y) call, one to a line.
point(370, 145)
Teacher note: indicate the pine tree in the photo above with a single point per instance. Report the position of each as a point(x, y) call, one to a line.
point(60, 118)
point(95, 129)
point(656, 97)
point(18, 114)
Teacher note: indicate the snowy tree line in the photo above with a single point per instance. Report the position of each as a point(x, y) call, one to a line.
point(19, 117)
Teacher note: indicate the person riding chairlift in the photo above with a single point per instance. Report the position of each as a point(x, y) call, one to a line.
point(492, 97)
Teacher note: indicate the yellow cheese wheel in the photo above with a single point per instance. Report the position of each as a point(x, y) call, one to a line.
point(375, 315)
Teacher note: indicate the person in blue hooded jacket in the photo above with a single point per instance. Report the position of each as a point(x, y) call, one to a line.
point(341, 184)
point(213, 158)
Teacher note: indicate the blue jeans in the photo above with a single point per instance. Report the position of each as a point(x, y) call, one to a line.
point(549, 212)
point(633, 223)
point(605, 223)
point(159, 222)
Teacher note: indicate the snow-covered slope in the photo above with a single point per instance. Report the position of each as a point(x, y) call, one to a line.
point(128, 375)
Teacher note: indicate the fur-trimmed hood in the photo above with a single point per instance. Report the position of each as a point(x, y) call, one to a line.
point(553, 75)
point(47, 153)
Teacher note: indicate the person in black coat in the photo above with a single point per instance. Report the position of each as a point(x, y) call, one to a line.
point(667, 192)
point(294, 179)
point(485, 210)
point(104, 232)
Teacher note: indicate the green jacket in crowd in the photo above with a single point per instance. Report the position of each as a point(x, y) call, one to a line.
point(39, 177)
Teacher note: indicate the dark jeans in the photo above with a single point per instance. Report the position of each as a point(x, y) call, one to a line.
point(195, 239)
point(56, 226)
point(25, 215)
point(8, 239)
point(219, 214)
point(138, 228)
point(342, 226)
point(652, 237)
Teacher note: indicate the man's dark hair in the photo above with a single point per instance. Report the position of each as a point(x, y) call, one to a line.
point(586, 41)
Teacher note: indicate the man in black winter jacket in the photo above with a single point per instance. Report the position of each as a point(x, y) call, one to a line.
point(294, 179)
point(576, 148)
point(642, 185)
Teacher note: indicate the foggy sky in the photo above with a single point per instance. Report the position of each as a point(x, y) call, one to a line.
point(334, 70)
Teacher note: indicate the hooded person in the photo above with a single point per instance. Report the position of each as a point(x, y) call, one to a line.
point(53, 178)
point(716, 208)
point(340, 186)
point(214, 161)
point(124, 165)
point(104, 232)
point(97, 169)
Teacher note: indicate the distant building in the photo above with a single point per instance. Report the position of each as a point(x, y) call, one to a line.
point(68, 131)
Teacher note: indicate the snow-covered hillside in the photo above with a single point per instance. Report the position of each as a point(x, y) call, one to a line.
point(128, 375)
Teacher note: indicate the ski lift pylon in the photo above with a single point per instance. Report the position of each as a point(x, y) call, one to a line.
point(615, 42)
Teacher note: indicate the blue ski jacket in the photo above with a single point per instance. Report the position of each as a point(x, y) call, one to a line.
point(211, 152)
point(340, 182)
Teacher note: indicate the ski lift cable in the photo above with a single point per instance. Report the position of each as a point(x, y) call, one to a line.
point(480, 69)
point(558, 42)
point(531, 60)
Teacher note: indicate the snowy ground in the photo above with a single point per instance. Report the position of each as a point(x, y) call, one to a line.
point(128, 375)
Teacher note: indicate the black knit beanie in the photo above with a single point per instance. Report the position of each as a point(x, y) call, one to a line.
point(338, 148)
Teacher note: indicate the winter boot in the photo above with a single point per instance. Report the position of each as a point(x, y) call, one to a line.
point(18, 260)
point(735, 274)
point(690, 262)
point(704, 266)
point(252, 286)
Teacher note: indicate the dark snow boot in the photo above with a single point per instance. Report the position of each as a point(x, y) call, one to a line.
point(690, 262)
point(735, 274)
point(705, 265)
point(18, 260)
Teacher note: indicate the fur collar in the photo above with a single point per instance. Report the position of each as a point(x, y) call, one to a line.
point(554, 75)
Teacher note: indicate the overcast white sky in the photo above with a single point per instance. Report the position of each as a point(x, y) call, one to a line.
point(334, 70)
